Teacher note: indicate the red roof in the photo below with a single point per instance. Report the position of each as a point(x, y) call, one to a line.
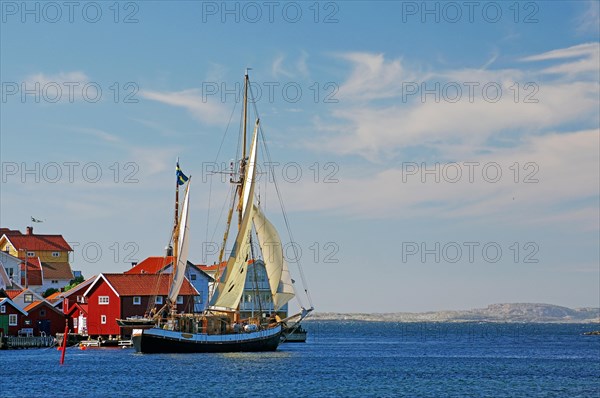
point(13, 293)
point(39, 242)
point(8, 231)
point(151, 265)
point(215, 268)
point(34, 272)
point(146, 284)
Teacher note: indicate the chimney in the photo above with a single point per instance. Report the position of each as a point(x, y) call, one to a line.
point(169, 250)
point(29, 231)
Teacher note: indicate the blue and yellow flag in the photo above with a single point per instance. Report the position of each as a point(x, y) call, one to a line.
point(181, 178)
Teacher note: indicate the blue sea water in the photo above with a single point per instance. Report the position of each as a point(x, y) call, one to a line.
point(340, 359)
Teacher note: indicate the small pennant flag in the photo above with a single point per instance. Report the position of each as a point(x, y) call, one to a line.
point(181, 178)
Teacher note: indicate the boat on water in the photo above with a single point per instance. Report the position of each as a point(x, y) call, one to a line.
point(294, 334)
point(220, 328)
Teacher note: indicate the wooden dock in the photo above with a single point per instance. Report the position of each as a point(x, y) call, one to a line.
point(16, 342)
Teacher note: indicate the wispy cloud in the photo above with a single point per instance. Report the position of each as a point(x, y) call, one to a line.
point(373, 77)
point(60, 87)
point(588, 59)
point(551, 171)
point(291, 70)
point(587, 21)
point(203, 109)
point(60, 78)
point(380, 123)
point(98, 133)
point(379, 118)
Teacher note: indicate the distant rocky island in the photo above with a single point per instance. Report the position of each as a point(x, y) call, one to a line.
point(513, 312)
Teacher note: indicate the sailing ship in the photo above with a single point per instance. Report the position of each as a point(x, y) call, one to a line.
point(220, 328)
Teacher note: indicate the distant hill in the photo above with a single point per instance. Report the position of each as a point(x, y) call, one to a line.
point(513, 312)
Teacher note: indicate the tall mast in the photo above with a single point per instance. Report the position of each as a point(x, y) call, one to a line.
point(176, 220)
point(243, 161)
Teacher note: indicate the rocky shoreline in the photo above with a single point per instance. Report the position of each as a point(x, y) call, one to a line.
point(500, 313)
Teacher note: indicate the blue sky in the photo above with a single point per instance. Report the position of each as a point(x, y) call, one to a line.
point(370, 94)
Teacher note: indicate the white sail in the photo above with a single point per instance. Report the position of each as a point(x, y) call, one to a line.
point(182, 249)
point(250, 171)
point(232, 281)
point(278, 273)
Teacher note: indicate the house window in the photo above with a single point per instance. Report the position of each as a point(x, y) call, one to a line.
point(28, 298)
point(103, 319)
point(75, 323)
point(2, 310)
point(30, 254)
point(55, 254)
point(55, 281)
point(27, 322)
point(198, 299)
point(42, 312)
point(193, 277)
point(12, 320)
point(179, 299)
point(10, 272)
point(158, 300)
point(103, 300)
point(137, 300)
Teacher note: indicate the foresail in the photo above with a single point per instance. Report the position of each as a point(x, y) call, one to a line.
point(278, 273)
point(182, 249)
point(270, 245)
point(285, 290)
point(232, 281)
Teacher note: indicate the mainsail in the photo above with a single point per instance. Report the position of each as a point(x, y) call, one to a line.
point(278, 273)
point(182, 248)
point(231, 285)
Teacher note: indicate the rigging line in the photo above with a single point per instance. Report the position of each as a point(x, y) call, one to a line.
point(285, 218)
point(216, 159)
point(221, 214)
point(279, 196)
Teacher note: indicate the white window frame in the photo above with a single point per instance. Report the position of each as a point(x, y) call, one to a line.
point(75, 322)
point(103, 300)
point(179, 299)
point(10, 271)
point(28, 298)
point(137, 300)
point(3, 309)
point(13, 320)
point(103, 319)
point(158, 300)
point(55, 254)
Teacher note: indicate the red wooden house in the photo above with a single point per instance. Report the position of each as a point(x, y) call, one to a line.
point(12, 317)
point(118, 296)
point(75, 306)
point(42, 317)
